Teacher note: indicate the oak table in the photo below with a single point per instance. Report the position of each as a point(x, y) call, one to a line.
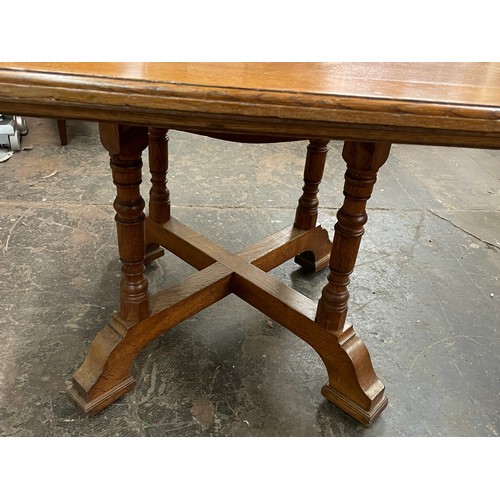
point(369, 106)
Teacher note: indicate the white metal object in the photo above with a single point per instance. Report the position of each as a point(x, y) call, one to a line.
point(12, 127)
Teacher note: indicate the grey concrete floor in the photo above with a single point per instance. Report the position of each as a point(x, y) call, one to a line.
point(424, 296)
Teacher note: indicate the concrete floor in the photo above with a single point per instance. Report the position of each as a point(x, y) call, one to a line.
point(424, 297)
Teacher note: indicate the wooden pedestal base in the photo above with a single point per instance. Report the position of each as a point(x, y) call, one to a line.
point(352, 384)
point(105, 374)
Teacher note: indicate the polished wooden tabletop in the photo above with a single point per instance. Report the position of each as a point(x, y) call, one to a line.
point(426, 103)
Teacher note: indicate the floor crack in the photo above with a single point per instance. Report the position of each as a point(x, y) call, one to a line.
point(487, 243)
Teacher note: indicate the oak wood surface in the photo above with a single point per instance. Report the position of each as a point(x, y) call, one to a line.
point(422, 103)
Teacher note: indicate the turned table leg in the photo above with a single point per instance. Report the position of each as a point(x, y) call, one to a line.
point(363, 162)
point(159, 195)
point(306, 214)
point(362, 394)
point(126, 166)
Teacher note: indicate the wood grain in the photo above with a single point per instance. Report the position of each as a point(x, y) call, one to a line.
point(422, 103)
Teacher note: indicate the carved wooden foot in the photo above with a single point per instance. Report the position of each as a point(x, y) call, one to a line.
point(352, 384)
point(315, 260)
point(92, 388)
